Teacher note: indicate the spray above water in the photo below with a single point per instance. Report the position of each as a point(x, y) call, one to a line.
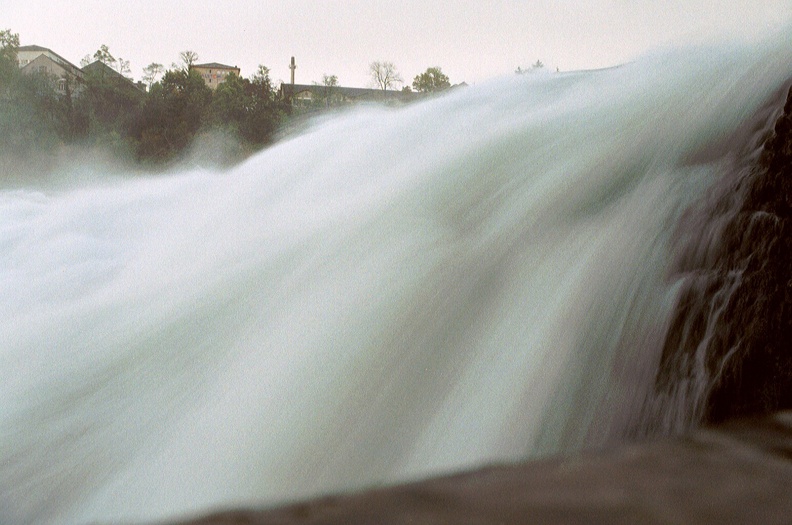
point(391, 294)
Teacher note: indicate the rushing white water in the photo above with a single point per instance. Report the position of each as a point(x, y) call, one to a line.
point(392, 293)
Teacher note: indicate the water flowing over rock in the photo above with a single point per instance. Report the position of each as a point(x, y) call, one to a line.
point(758, 379)
point(729, 346)
point(739, 473)
point(491, 276)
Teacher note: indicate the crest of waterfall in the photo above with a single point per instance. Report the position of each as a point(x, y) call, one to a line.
point(477, 278)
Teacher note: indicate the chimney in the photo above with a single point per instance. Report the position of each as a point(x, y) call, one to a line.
point(292, 66)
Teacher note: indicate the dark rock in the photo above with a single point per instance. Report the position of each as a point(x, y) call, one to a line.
point(728, 351)
point(759, 320)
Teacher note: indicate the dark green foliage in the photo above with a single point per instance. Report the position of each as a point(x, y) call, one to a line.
point(33, 115)
point(172, 114)
point(180, 106)
point(107, 106)
point(40, 114)
point(248, 108)
point(431, 80)
point(9, 43)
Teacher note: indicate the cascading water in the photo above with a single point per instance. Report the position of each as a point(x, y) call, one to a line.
point(392, 293)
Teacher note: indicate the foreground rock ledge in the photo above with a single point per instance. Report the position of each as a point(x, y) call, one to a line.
point(740, 472)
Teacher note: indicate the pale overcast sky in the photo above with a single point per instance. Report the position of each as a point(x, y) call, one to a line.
point(471, 40)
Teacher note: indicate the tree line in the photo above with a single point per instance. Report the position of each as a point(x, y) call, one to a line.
point(105, 108)
point(156, 120)
point(385, 76)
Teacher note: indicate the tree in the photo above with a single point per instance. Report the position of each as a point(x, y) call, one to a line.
point(172, 114)
point(9, 44)
point(109, 103)
point(384, 74)
point(431, 80)
point(535, 66)
point(151, 72)
point(265, 110)
point(247, 108)
point(103, 55)
point(229, 101)
point(329, 83)
point(263, 83)
point(188, 59)
point(330, 80)
point(122, 66)
point(34, 116)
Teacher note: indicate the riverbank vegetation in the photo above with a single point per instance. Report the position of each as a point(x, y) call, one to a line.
point(41, 114)
point(171, 116)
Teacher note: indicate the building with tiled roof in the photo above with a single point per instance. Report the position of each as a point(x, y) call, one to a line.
point(41, 60)
point(99, 69)
point(214, 73)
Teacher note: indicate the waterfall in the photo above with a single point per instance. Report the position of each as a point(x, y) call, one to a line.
point(389, 294)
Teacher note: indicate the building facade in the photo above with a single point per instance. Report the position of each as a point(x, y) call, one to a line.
point(40, 60)
point(213, 73)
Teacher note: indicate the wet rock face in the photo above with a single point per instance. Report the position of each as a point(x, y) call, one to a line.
point(728, 350)
point(778, 151)
point(759, 319)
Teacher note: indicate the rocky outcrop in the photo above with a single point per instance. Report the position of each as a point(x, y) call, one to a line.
point(759, 319)
point(737, 473)
point(728, 350)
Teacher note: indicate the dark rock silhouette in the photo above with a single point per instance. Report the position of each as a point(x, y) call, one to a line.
point(732, 328)
point(760, 379)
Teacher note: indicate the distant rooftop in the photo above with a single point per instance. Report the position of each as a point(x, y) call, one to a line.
point(214, 65)
point(56, 56)
point(100, 68)
point(351, 93)
point(34, 48)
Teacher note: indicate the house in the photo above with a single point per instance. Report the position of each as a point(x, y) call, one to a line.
point(304, 95)
point(213, 73)
point(37, 59)
point(99, 69)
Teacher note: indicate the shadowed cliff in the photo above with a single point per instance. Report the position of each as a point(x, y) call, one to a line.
point(732, 328)
point(759, 379)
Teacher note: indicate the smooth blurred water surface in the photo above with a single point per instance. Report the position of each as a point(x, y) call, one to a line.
point(390, 294)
